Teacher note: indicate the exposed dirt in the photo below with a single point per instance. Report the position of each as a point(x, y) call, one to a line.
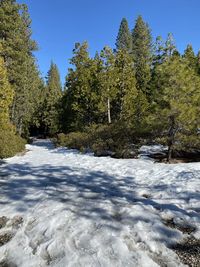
point(184, 228)
point(6, 263)
point(22, 153)
point(5, 238)
point(3, 221)
point(188, 251)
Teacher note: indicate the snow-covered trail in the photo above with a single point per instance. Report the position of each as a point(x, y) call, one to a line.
point(80, 210)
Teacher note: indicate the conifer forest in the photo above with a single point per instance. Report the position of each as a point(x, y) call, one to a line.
point(140, 91)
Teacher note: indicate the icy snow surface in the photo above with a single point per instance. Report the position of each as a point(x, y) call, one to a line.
point(80, 210)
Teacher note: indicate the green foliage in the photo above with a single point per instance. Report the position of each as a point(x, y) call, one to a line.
point(190, 58)
point(170, 46)
point(127, 92)
point(111, 101)
point(179, 94)
point(51, 99)
point(124, 40)
point(82, 95)
point(142, 54)
point(10, 142)
point(113, 138)
point(6, 94)
point(108, 78)
point(73, 140)
point(15, 38)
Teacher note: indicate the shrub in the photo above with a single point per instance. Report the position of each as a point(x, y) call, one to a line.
point(101, 139)
point(74, 140)
point(10, 143)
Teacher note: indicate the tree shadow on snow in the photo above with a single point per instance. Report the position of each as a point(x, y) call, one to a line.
point(83, 192)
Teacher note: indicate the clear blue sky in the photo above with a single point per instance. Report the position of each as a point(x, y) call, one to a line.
point(58, 24)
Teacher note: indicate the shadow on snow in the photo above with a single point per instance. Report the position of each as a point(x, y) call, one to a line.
point(79, 190)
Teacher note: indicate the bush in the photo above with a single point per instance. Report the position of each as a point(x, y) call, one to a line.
point(101, 139)
point(74, 140)
point(10, 143)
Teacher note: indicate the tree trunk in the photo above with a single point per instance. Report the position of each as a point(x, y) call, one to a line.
point(109, 116)
point(20, 127)
point(169, 153)
point(13, 112)
point(171, 137)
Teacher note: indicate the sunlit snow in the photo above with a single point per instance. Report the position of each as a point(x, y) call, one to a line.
point(80, 210)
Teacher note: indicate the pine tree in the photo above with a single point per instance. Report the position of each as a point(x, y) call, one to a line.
point(82, 97)
point(53, 93)
point(190, 58)
point(6, 94)
point(158, 50)
point(79, 95)
point(126, 87)
point(142, 54)
point(124, 40)
point(163, 51)
point(108, 82)
point(17, 52)
point(179, 88)
point(170, 46)
point(198, 62)
point(10, 143)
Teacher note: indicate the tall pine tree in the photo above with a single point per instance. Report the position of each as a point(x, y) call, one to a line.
point(142, 54)
point(108, 82)
point(126, 87)
point(179, 102)
point(124, 40)
point(53, 93)
point(6, 94)
point(15, 37)
point(190, 58)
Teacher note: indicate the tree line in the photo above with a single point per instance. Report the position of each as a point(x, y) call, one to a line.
point(146, 86)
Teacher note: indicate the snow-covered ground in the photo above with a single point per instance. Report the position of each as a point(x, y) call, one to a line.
point(80, 210)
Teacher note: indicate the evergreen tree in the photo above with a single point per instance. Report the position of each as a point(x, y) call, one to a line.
point(158, 50)
point(163, 51)
point(53, 93)
point(15, 37)
point(108, 82)
point(142, 54)
point(124, 40)
point(190, 58)
point(126, 86)
point(80, 95)
point(170, 46)
point(10, 143)
point(6, 94)
point(198, 62)
point(179, 88)
point(37, 125)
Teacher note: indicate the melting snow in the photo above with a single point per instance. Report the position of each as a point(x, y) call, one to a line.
point(80, 210)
